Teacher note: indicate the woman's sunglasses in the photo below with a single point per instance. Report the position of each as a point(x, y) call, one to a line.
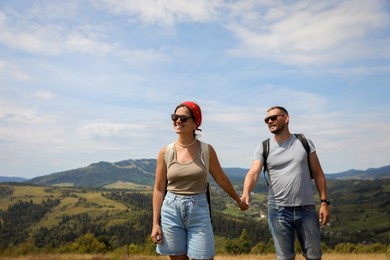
point(183, 118)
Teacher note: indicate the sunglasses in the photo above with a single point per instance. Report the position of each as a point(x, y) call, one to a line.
point(272, 118)
point(183, 118)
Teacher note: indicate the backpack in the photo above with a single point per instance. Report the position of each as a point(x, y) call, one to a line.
point(300, 137)
point(169, 155)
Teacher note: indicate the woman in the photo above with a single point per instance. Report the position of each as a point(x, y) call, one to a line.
point(181, 218)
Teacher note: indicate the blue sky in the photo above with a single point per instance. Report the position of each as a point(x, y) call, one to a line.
point(88, 81)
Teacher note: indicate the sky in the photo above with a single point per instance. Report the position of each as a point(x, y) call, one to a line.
point(87, 81)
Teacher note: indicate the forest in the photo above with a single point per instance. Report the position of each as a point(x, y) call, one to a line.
point(99, 220)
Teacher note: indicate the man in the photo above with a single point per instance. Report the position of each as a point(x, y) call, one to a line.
point(291, 204)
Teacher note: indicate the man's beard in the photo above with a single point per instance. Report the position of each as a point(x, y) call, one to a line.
point(277, 130)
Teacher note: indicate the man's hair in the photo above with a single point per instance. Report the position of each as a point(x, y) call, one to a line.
point(278, 107)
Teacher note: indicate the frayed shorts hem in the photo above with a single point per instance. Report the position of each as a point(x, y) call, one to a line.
point(184, 253)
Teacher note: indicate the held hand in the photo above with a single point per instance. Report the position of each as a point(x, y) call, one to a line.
point(244, 205)
point(241, 205)
point(156, 235)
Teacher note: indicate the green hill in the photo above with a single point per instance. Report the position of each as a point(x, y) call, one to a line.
point(102, 173)
point(142, 172)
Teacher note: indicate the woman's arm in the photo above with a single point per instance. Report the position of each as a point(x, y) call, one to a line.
point(221, 179)
point(158, 195)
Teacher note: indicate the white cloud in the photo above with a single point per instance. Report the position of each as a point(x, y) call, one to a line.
point(312, 33)
point(27, 36)
point(11, 113)
point(107, 129)
point(82, 42)
point(12, 71)
point(165, 12)
point(24, 33)
point(44, 95)
point(138, 57)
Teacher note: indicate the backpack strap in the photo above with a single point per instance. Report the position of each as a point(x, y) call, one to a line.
point(265, 155)
point(169, 154)
point(205, 154)
point(305, 144)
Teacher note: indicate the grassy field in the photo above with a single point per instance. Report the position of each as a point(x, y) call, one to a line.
point(218, 257)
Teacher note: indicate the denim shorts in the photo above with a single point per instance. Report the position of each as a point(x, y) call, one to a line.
point(186, 227)
point(286, 222)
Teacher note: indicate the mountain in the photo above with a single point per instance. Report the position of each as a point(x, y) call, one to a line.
point(12, 179)
point(102, 173)
point(143, 172)
point(371, 173)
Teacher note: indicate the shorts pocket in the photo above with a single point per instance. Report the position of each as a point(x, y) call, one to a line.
point(168, 201)
point(201, 204)
point(168, 206)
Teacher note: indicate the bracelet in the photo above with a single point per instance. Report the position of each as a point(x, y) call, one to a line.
point(325, 201)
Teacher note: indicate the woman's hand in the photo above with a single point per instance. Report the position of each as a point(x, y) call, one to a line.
point(156, 235)
point(243, 205)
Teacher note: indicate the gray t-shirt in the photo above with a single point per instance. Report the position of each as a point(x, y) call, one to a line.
point(288, 172)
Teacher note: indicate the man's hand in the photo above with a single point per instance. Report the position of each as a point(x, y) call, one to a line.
point(244, 203)
point(324, 214)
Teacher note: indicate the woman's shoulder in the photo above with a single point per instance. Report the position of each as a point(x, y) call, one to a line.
point(204, 144)
point(169, 147)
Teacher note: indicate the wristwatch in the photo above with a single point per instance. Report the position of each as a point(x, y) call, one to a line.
point(326, 201)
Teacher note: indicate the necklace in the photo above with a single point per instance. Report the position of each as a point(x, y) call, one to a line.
point(186, 145)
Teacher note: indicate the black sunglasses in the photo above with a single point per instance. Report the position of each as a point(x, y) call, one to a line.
point(183, 118)
point(272, 118)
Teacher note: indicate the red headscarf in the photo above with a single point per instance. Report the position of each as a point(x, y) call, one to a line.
point(196, 111)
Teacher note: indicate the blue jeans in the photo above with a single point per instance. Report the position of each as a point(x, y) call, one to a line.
point(186, 227)
point(286, 222)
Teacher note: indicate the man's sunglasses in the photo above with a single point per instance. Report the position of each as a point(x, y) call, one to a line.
point(183, 118)
point(272, 118)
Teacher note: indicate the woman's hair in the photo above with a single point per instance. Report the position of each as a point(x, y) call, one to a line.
point(191, 112)
point(191, 106)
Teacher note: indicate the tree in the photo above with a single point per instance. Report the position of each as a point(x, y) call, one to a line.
point(87, 244)
point(237, 246)
point(259, 248)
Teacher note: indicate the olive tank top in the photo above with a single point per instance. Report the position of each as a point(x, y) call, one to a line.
point(187, 178)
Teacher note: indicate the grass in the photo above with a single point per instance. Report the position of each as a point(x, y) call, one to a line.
point(25, 193)
point(356, 218)
point(129, 185)
point(218, 257)
point(95, 203)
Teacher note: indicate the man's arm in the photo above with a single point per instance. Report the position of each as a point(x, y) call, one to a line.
point(251, 179)
point(319, 178)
